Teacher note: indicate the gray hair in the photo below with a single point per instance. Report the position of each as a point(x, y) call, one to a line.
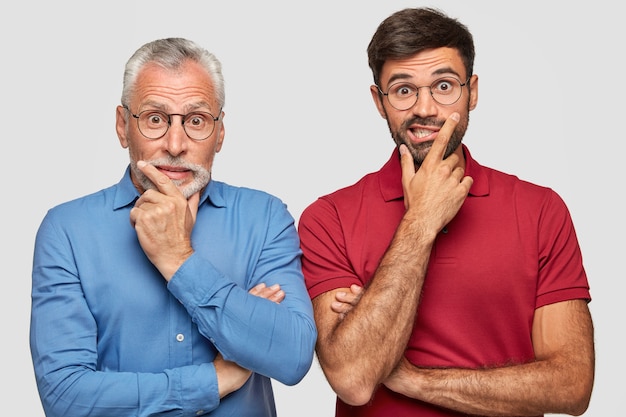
point(171, 53)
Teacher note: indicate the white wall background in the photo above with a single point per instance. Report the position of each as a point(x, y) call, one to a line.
point(300, 123)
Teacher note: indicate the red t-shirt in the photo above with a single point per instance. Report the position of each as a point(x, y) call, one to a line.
point(510, 249)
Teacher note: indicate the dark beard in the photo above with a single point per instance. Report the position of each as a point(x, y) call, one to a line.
point(420, 150)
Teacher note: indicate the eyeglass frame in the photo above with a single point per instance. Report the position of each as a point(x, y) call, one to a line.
point(417, 88)
point(169, 121)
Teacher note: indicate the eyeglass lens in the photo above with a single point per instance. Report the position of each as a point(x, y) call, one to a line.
point(154, 124)
point(404, 95)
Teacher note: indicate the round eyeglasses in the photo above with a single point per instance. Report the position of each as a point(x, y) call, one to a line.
point(403, 95)
point(154, 124)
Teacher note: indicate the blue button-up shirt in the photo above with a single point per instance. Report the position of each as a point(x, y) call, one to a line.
point(111, 337)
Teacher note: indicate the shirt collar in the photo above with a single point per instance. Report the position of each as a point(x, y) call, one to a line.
point(390, 176)
point(126, 194)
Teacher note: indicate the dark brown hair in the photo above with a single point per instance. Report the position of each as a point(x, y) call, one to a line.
point(409, 31)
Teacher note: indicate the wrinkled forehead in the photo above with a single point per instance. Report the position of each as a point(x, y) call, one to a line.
point(424, 67)
point(187, 88)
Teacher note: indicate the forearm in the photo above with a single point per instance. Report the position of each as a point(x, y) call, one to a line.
point(73, 377)
point(360, 350)
point(269, 339)
point(77, 391)
point(276, 340)
point(530, 389)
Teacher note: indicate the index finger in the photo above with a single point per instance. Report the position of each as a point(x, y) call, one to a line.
point(438, 148)
point(163, 183)
point(192, 203)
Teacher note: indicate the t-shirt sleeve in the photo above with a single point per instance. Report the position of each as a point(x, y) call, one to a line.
point(325, 262)
point(562, 275)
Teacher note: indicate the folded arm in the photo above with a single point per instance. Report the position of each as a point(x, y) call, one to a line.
point(64, 339)
point(275, 340)
point(559, 380)
point(358, 349)
point(69, 321)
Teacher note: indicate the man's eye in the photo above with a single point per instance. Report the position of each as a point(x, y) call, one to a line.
point(404, 90)
point(444, 86)
point(155, 119)
point(196, 120)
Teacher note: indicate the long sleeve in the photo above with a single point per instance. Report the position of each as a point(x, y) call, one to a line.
point(275, 340)
point(110, 336)
point(64, 338)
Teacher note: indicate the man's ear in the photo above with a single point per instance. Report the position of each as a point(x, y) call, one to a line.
point(120, 125)
point(473, 90)
point(220, 133)
point(378, 101)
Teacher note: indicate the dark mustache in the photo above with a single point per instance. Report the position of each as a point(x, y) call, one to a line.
point(429, 121)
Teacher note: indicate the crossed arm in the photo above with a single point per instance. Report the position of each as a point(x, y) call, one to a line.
point(69, 375)
point(230, 376)
point(373, 323)
point(378, 325)
point(560, 380)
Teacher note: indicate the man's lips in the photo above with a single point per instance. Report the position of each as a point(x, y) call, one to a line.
point(175, 173)
point(419, 134)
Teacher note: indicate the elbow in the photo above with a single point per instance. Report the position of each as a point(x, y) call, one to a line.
point(355, 395)
point(578, 408)
point(580, 403)
point(355, 383)
point(352, 391)
point(294, 371)
point(579, 397)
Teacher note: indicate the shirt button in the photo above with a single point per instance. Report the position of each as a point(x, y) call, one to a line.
point(199, 412)
point(180, 337)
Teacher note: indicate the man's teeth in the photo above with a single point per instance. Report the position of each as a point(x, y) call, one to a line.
point(420, 133)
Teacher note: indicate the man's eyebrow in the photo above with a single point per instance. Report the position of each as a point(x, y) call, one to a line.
point(199, 105)
point(436, 73)
point(446, 71)
point(202, 105)
point(399, 76)
point(152, 104)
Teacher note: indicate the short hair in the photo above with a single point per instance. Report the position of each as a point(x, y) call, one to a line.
point(412, 30)
point(172, 53)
